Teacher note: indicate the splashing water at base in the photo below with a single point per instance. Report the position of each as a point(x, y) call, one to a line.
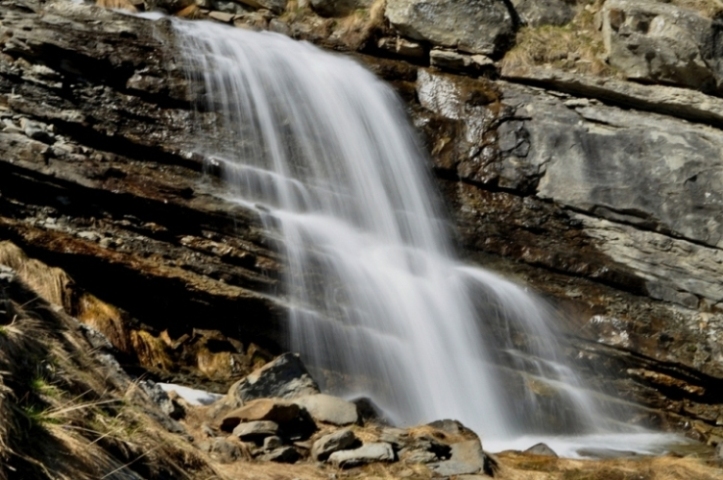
point(378, 303)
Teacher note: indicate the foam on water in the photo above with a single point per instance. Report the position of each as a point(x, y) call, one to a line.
point(379, 304)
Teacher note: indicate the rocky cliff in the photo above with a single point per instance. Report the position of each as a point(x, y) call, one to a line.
point(590, 170)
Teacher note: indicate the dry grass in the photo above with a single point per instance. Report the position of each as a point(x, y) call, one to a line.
point(63, 413)
point(50, 283)
point(577, 46)
point(708, 8)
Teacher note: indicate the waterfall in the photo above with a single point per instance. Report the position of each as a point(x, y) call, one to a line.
point(379, 304)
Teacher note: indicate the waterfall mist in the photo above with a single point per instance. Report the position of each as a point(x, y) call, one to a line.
point(379, 304)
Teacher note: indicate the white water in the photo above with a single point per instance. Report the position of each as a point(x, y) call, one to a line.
point(379, 303)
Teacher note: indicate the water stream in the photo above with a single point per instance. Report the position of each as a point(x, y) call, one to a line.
point(379, 303)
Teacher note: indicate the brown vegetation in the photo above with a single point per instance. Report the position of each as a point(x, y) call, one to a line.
point(577, 46)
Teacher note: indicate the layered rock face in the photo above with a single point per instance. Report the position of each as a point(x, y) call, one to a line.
point(601, 193)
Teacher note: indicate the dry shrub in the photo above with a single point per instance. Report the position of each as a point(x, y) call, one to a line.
point(117, 4)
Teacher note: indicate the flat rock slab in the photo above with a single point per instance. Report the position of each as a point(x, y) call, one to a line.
point(369, 453)
point(329, 409)
point(256, 430)
point(328, 444)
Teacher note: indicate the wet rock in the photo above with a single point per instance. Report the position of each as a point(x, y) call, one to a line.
point(337, 8)
point(256, 431)
point(466, 458)
point(276, 6)
point(368, 453)
point(281, 455)
point(333, 442)
point(541, 449)
point(329, 409)
point(474, 26)
point(662, 43)
point(284, 377)
point(536, 13)
point(370, 412)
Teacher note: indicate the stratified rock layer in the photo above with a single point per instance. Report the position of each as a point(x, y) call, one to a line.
point(601, 194)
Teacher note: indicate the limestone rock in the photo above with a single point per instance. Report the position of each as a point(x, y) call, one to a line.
point(333, 442)
point(256, 431)
point(536, 13)
point(284, 377)
point(338, 8)
point(466, 458)
point(368, 453)
point(661, 43)
point(673, 101)
point(329, 409)
point(474, 26)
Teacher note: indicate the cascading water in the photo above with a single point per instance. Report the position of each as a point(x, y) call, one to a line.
point(322, 150)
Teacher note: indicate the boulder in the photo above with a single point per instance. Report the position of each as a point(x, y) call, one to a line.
point(541, 449)
point(536, 13)
point(267, 409)
point(329, 409)
point(657, 42)
point(338, 8)
point(333, 442)
point(466, 458)
point(368, 453)
point(369, 412)
point(484, 27)
point(256, 431)
point(284, 377)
